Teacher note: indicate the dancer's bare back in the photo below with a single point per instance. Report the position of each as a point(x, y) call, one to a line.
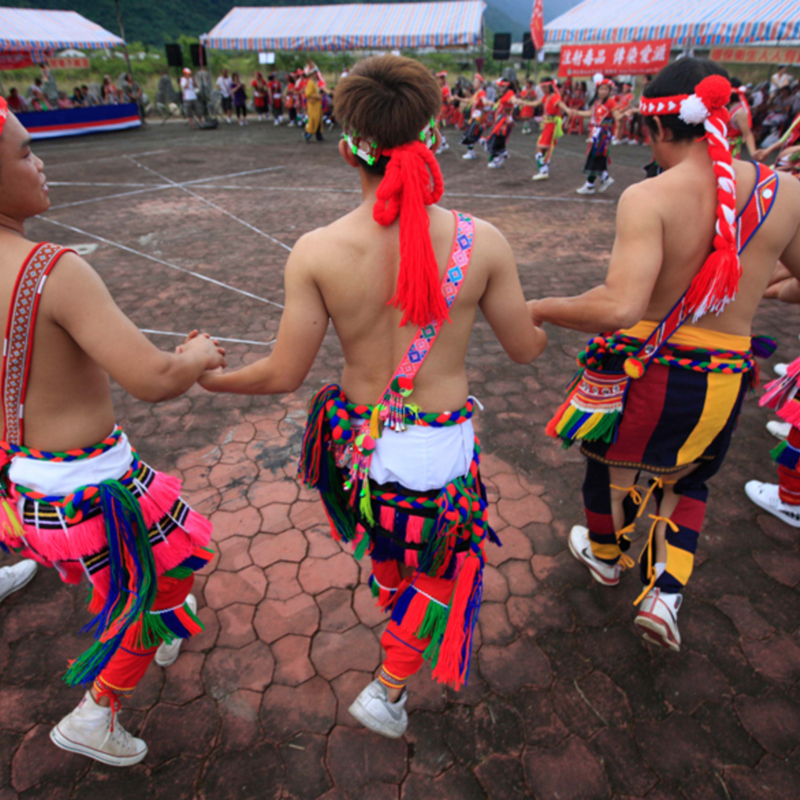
point(347, 272)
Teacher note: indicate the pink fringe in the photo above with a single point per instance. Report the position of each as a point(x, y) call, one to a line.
point(89, 537)
point(387, 518)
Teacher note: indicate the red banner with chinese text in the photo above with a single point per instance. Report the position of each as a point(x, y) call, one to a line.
point(537, 24)
point(756, 55)
point(632, 58)
point(68, 62)
point(12, 60)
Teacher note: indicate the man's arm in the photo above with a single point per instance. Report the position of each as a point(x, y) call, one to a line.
point(79, 302)
point(632, 273)
point(743, 121)
point(302, 329)
point(503, 303)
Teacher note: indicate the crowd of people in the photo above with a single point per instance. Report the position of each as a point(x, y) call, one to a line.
point(400, 478)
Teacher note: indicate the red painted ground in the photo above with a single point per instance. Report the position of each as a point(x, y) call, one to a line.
point(565, 699)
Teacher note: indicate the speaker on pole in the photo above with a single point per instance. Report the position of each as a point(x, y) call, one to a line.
point(528, 50)
point(502, 46)
point(199, 56)
point(174, 55)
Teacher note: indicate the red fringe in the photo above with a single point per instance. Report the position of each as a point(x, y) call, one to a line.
point(716, 284)
point(449, 668)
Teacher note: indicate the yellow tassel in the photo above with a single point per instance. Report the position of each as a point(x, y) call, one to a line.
point(11, 524)
point(375, 422)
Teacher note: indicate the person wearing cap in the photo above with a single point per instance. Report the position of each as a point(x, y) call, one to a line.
point(401, 278)
point(662, 393)
point(191, 103)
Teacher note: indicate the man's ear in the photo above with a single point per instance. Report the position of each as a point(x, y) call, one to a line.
point(661, 134)
point(347, 154)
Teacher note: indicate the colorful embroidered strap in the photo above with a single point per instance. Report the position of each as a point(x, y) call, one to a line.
point(758, 206)
point(452, 282)
point(68, 455)
point(20, 328)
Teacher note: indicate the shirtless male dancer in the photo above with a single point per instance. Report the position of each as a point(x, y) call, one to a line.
point(397, 468)
point(73, 493)
point(660, 392)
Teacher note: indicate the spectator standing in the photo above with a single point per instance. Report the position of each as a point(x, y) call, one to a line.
point(132, 93)
point(780, 79)
point(290, 100)
point(239, 99)
point(110, 92)
point(191, 105)
point(225, 88)
point(313, 108)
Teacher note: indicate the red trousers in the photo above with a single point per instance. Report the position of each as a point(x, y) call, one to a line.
point(789, 479)
point(403, 649)
point(130, 662)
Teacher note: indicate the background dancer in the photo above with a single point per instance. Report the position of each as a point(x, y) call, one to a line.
point(503, 125)
point(552, 128)
point(391, 477)
point(444, 109)
point(664, 397)
point(603, 117)
point(740, 126)
point(74, 493)
point(477, 105)
point(526, 110)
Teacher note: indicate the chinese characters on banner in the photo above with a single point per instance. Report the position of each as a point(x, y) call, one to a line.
point(756, 55)
point(537, 24)
point(68, 62)
point(12, 60)
point(631, 58)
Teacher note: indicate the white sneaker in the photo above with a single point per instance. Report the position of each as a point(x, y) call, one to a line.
point(469, 155)
point(580, 547)
point(374, 711)
point(444, 147)
point(495, 163)
point(167, 653)
point(780, 369)
point(16, 576)
point(541, 176)
point(616, 141)
point(767, 497)
point(587, 188)
point(606, 183)
point(88, 731)
point(780, 430)
point(658, 619)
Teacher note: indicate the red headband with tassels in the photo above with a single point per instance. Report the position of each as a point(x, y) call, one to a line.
point(412, 181)
point(718, 280)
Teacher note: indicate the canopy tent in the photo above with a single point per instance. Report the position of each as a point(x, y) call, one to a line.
point(37, 32)
point(350, 27)
point(686, 22)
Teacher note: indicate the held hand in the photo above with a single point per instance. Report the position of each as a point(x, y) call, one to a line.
point(779, 274)
point(787, 291)
point(210, 380)
point(760, 154)
point(537, 321)
point(210, 349)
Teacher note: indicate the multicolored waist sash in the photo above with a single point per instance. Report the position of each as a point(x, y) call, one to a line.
point(608, 364)
point(120, 533)
point(440, 533)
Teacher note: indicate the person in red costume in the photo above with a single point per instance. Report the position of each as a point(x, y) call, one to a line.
point(552, 129)
point(401, 278)
point(503, 124)
point(478, 106)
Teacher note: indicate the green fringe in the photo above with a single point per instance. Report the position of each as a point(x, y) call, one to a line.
point(602, 431)
point(778, 451)
point(362, 547)
point(365, 504)
point(374, 588)
point(433, 626)
point(179, 573)
point(154, 631)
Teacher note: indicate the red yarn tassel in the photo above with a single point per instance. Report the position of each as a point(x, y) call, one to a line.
point(715, 285)
point(412, 181)
point(450, 667)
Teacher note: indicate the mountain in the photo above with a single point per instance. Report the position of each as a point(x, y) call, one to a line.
point(154, 22)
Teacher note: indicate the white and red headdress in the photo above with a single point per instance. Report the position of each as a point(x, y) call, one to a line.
point(718, 280)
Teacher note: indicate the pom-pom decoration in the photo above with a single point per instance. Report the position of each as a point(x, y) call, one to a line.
point(715, 92)
point(634, 368)
point(598, 78)
point(693, 110)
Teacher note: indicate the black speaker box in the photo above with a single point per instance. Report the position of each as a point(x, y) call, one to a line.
point(174, 55)
point(528, 50)
point(502, 46)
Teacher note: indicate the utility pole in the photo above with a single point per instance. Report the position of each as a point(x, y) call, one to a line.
point(124, 40)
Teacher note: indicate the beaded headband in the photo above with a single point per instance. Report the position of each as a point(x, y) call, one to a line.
point(3, 113)
point(370, 151)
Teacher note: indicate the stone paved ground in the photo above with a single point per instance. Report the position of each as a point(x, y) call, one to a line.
point(565, 699)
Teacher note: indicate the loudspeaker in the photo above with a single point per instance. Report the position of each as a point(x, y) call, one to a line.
point(502, 46)
point(528, 50)
point(194, 49)
point(174, 55)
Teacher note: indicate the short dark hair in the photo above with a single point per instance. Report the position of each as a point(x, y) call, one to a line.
point(680, 77)
point(388, 99)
